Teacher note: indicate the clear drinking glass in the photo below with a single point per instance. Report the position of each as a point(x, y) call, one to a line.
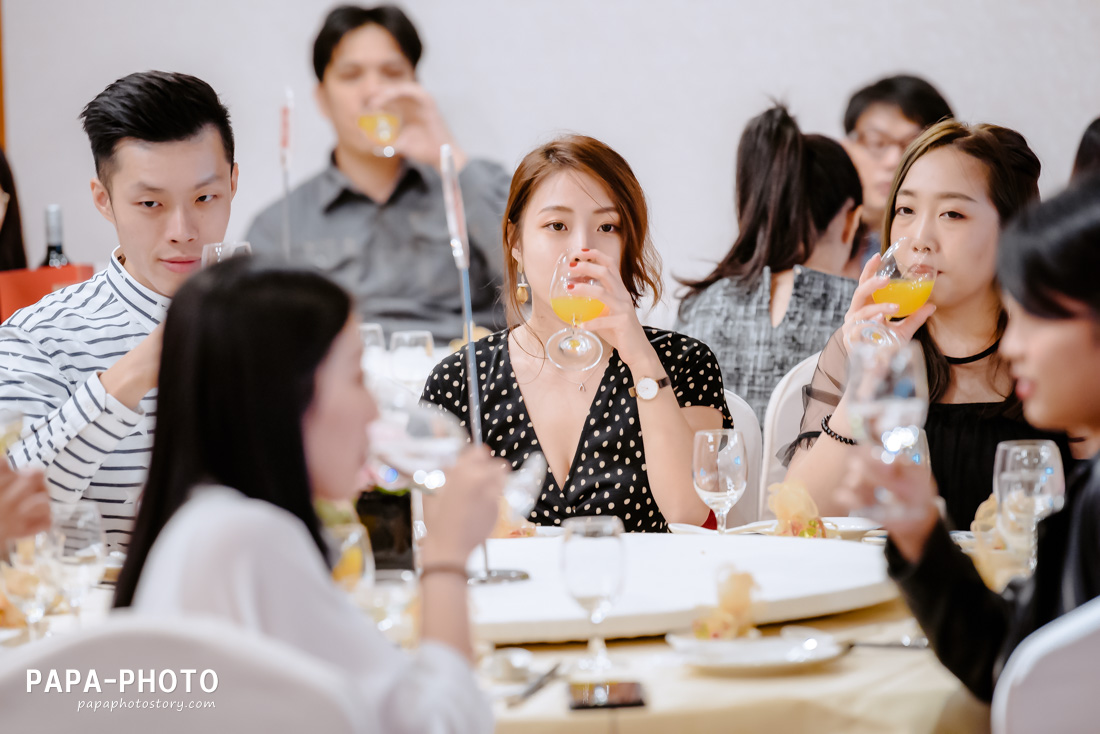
point(522, 489)
point(80, 551)
point(355, 562)
point(907, 264)
point(218, 251)
point(412, 444)
point(719, 471)
point(887, 404)
point(390, 596)
point(376, 360)
point(27, 579)
point(1030, 484)
point(382, 127)
point(573, 348)
point(594, 568)
point(411, 359)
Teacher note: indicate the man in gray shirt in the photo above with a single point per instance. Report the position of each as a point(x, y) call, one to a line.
point(374, 218)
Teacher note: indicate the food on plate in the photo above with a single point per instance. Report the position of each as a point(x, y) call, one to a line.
point(796, 514)
point(733, 617)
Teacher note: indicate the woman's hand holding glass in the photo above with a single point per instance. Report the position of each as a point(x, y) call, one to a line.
point(896, 284)
point(617, 322)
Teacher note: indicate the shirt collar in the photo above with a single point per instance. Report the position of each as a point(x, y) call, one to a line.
point(335, 185)
point(148, 306)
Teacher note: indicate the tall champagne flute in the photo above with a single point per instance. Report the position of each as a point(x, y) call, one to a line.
point(1030, 484)
point(80, 551)
point(593, 559)
point(887, 405)
point(719, 471)
point(573, 348)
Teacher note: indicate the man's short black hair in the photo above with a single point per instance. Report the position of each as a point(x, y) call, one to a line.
point(918, 100)
point(347, 18)
point(154, 106)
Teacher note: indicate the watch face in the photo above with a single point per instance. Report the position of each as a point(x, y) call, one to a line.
point(647, 388)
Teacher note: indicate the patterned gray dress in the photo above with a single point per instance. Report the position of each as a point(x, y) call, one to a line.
point(734, 320)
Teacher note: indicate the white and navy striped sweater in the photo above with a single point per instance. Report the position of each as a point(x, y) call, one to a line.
point(90, 445)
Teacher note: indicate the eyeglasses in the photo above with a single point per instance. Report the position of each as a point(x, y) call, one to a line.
point(878, 144)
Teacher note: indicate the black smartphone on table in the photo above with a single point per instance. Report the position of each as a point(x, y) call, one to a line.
point(387, 516)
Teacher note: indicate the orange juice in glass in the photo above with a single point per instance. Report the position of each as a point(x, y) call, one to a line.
point(575, 310)
point(382, 129)
point(905, 263)
point(573, 348)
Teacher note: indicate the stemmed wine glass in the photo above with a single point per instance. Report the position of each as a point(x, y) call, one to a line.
point(911, 278)
point(27, 579)
point(573, 348)
point(887, 404)
point(79, 551)
point(375, 359)
point(593, 559)
point(1030, 484)
point(719, 471)
point(218, 251)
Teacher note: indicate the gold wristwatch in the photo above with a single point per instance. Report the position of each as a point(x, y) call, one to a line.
point(647, 388)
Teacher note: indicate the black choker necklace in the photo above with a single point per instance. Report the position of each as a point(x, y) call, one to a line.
point(974, 357)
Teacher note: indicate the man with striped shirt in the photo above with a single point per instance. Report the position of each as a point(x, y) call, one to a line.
point(81, 364)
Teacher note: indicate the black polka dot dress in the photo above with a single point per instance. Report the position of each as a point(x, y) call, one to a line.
point(608, 474)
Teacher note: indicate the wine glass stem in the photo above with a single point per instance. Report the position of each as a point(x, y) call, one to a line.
point(485, 555)
point(598, 650)
point(720, 517)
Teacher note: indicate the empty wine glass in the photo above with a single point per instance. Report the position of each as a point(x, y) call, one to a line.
point(79, 554)
point(719, 471)
point(1029, 483)
point(593, 568)
point(390, 596)
point(573, 348)
point(382, 127)
point(887, 404)
point(27, 579)
point(522, 489)
point(218, 251)
point(412, 444)
point(411, 359)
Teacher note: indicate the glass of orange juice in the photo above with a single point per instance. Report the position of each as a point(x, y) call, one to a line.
point(906, 264)
point(382, 128)
point(573, 348)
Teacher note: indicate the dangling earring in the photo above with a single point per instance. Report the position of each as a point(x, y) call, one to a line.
point(522, 288)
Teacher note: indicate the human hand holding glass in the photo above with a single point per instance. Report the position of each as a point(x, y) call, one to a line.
point(719, 471)
point(887, 403)
point(382, 127)
point(593, 558)
point(1030, 484)
point(573, 348)
point(27, 578)
point(894, 285)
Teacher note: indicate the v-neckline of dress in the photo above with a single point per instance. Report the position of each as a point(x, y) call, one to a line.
point(531, 424)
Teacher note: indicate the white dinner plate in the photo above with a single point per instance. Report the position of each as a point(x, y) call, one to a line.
point(755, 655)
point(848, 528)
point(549, 531)
point(682, 528)
point(6, 633)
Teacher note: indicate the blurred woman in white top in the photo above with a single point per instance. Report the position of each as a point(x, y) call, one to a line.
point(262, 409)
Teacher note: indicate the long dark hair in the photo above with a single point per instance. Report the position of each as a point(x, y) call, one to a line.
point(789, 187)
point(13, 256)
point(242, 341)
point(1012, 181)
point(1087, 160)
point(1050, 254)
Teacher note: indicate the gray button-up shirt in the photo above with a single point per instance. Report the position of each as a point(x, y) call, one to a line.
point(395, 256)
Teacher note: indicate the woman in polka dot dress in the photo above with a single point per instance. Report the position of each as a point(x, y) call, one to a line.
point(611, 449)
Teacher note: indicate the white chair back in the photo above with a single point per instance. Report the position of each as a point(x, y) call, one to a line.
point(1049, 682)
point(744, 420)
point(262, 684)
point(782, 420)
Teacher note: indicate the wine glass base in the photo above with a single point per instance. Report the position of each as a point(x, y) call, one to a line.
point(574, 349)
point(498, 576)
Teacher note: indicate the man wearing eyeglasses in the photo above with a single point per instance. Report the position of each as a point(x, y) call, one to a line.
point(880, 122)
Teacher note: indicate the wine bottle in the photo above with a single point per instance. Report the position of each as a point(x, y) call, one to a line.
point(55, 257)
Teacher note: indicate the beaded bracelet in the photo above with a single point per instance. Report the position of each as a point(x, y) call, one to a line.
point(833, 434)
point(455, 568)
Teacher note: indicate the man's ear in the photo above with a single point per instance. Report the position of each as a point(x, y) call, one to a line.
point(233, 181)
point(101, 197)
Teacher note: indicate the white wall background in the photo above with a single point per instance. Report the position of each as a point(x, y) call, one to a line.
point(668, 84)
